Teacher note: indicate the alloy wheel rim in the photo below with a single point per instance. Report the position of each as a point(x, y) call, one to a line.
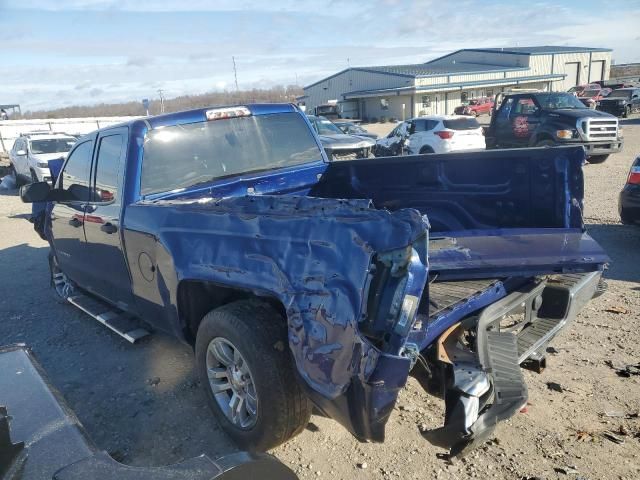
point(231, 383)
point(61, 283)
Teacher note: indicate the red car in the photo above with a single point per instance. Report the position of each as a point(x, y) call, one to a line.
point(475, 107)
point(591, 97)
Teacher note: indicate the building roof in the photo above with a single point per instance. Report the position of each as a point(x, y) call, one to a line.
point(427, 69)
point(547, 49)
point(439, 67)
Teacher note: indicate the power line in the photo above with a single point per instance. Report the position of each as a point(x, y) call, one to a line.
point(161, 93)
point(235, 73)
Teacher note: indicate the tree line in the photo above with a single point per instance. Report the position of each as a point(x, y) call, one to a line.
point(276, 94)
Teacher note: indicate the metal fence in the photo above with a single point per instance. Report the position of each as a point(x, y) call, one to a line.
point(12, 129)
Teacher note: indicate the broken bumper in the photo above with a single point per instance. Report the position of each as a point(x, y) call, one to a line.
point(488, 387)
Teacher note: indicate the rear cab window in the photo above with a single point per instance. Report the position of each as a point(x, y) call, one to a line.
point(182, 156)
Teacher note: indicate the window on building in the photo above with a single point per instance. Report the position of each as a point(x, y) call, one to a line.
point(384, 104)
point(426, 101)
point(464, 96)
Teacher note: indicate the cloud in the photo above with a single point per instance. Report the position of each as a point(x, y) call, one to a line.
point(128, 49)
point(139, 61)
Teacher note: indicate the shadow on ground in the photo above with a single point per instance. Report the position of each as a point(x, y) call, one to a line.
point(136, 401)
point(621, 244)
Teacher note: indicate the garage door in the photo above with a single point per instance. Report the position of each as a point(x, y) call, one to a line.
point(597, 70)
point(572, 69)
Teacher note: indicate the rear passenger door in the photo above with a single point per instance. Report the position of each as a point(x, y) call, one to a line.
point(67, 214)
point(102, 220)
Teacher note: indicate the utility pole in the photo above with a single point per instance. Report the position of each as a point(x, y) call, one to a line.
point(161, 93)
point(235, 73)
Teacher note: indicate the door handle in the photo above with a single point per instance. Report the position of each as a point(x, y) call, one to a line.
point(75, 222)
point(109, 228)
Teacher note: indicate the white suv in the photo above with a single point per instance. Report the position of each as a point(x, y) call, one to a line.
point(31, 153)
point(432, 134)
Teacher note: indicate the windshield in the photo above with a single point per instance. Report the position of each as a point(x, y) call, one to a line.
point(620, 94)
point(52, 145)
point(466, 123)
point(325, 127)
point(473, 102)
point(575, 89)
point(327, 109)
point(181, 156)
point(590, 93)
point(557, 101)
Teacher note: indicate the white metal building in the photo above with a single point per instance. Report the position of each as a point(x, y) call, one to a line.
point(438, 86)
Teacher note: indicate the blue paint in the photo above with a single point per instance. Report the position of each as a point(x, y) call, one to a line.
point(317, 236)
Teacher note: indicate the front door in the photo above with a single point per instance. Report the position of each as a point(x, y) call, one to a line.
point(67, 214)
point(111, 278)
point(524, 120)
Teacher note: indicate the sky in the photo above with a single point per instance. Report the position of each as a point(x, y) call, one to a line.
point(60, 53)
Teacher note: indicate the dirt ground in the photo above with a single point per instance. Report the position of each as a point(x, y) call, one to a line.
point(142, 403)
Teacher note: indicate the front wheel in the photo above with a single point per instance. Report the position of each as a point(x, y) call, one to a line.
point(627, 112)
point(243, 361)
point(63, 286)
point(546, 143)
point(597, 158)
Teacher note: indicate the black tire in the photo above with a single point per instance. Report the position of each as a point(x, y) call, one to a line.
point(425, 150)
point(627, 112)
point(546, 143)
point(19, 181)
point(259, 334)
point(597, 158)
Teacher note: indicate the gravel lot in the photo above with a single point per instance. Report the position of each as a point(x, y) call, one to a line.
point(142, 403)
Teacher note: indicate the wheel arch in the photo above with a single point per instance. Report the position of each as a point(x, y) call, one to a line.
point(196, 298)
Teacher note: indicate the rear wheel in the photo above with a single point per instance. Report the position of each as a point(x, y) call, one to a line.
point(627, 112)
point(597, 158)
point(243, 361)
point(426, 149)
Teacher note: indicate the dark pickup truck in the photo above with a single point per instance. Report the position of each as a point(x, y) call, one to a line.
point(535, 119)
point(302, 282)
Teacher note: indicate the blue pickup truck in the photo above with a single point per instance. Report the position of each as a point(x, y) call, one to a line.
point(306, 283)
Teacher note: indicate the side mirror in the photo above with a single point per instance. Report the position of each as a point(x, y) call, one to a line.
point(21, 153)
point(35, 192)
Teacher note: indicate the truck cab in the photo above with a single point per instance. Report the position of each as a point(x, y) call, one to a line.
point(531, 119)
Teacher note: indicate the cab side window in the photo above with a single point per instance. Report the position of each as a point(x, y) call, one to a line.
point(525, 106)
point(107, 168)
point(74, 178)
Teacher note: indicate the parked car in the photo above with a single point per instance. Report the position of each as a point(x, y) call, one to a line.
point(300, 281)
point(475, 107)
point(621, 103)
point(629, 200)
point(351, 128)
point(553, 118)
point(31, 152)
point(339, 145)
point(432, 134)
point(579, 89)
point(590, 98)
